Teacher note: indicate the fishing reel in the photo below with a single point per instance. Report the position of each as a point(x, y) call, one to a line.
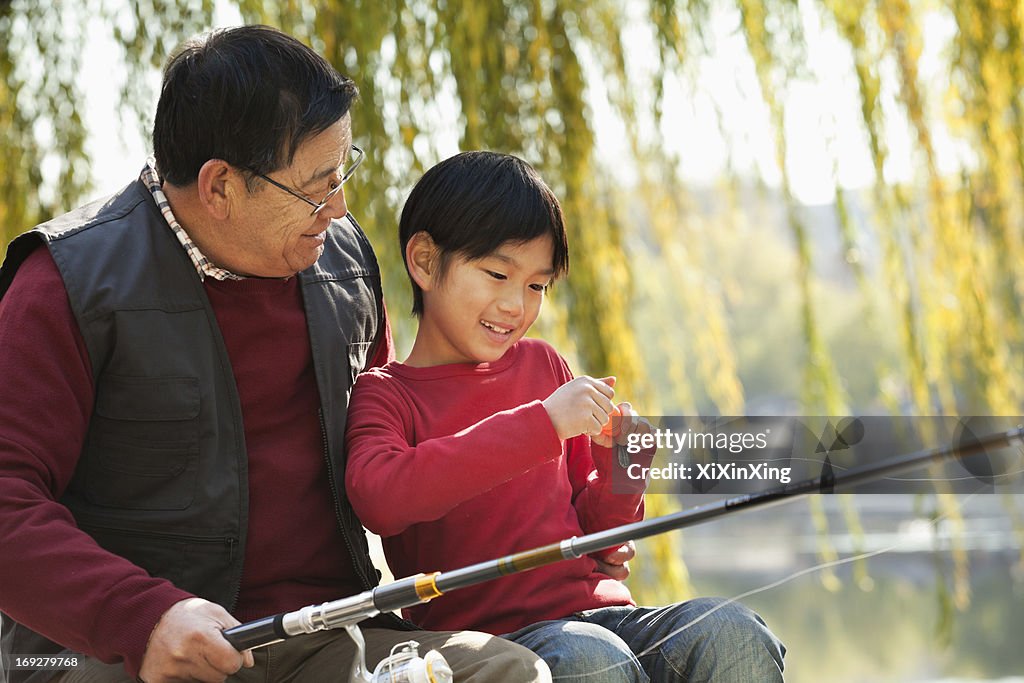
point(403, 665)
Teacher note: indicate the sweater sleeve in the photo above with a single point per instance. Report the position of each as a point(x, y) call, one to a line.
point(602, 498)
point(55, 579)
point(432, 477)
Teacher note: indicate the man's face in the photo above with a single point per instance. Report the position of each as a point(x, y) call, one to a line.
point(271, 233)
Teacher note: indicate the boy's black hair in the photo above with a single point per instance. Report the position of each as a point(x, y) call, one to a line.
point(473, 203)
point(249, 95)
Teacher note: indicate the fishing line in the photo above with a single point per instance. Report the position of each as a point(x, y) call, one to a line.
point(960, 505)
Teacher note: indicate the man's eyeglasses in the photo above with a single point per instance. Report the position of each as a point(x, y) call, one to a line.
point(355, 158)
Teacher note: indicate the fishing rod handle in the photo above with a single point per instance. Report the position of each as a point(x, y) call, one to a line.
point(257, 633)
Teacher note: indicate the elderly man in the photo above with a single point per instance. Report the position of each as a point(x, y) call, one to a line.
point(177, 362)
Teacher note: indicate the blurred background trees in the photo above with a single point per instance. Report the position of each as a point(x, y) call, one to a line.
point(774, 206)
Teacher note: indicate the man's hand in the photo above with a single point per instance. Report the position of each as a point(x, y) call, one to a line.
point(187, 645)
point(581, 406)
point(616, 563)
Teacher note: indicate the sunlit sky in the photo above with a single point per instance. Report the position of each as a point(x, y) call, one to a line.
point(826, 139)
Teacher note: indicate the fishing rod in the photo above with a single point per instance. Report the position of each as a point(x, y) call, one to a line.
point(414, 590)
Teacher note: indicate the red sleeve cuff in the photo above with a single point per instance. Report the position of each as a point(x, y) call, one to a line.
point(539, 425)
point(125, 631)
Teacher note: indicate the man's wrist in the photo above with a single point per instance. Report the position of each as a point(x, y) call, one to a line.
point(128, 637)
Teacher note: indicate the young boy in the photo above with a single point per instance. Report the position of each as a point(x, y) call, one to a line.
point(483, 444)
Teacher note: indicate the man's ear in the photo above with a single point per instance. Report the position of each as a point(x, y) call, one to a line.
point(421, 259)
point(218, 187)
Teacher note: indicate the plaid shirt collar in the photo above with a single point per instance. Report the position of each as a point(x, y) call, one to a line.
point(151, 178)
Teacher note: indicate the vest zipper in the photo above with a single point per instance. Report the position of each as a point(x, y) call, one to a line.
point(232, 542)
point(229, 541)
point(367, 584)
point(336, 498)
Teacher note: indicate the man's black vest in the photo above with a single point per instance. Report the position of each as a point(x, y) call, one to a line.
point(162, 478)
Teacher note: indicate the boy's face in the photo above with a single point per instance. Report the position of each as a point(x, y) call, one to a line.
point(481, 308)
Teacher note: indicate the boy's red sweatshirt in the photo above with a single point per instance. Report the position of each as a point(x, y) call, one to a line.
point(457, 464)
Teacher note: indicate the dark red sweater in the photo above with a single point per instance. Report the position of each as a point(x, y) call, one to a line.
point(54, 578)
point(457, 464)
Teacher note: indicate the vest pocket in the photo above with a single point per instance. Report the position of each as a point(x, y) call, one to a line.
point(196, 563)
point(142, 450)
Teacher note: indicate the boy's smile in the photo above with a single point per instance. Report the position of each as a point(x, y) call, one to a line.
point(499, 331)
point(476, 309)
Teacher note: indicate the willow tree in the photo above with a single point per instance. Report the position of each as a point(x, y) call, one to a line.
point(522, 76)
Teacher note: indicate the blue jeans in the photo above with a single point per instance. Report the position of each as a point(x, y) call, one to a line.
point(699, 640)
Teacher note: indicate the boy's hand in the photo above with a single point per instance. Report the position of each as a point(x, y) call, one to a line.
point(616, 562)
point(581, 406)
point(625, 423)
